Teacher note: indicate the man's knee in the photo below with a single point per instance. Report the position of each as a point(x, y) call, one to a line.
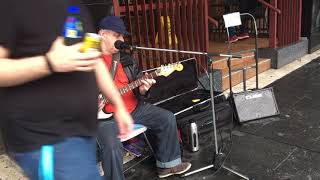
point(169, 119)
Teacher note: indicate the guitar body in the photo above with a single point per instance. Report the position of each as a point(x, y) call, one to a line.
point(161, 71)
point(103, 115)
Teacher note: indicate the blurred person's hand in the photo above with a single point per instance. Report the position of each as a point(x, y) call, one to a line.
point(68, 58)
point(124, 121)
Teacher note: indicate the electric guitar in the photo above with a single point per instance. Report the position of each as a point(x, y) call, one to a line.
point(161, 71)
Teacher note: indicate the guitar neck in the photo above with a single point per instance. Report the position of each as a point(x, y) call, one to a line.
point(162, 71)
point(137, 83)
point(132, 85)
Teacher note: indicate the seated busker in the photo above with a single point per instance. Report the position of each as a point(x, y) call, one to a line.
point(161, 123)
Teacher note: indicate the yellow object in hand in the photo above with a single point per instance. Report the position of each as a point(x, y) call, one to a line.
point(91, 42)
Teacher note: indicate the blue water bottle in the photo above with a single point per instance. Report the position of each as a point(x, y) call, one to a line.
point(73, 29)
point(46, 164)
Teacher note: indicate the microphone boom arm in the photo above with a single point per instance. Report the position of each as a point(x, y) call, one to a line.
point(123, 45)
point(187, 52)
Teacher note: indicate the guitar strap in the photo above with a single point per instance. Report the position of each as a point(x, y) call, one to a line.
point(115, 62)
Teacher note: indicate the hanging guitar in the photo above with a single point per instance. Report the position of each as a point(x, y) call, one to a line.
point(161, 71)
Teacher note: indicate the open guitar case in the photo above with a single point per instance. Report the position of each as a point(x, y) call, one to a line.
point(182, 94)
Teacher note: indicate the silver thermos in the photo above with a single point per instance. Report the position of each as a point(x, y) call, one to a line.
point(194, 144)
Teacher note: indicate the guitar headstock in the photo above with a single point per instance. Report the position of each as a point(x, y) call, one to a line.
point(168, 69)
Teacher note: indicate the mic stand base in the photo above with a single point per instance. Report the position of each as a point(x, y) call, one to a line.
point(218, 158)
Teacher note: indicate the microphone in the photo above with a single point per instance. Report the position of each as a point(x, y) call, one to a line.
point(123, 45)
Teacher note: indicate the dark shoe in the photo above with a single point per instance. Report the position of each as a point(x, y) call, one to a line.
point(243, 36)
point(233, 39)
point(178, 169)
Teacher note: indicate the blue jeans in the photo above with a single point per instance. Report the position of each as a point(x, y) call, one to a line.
point(110, 149)
point(232, 30)
point(74, 158)
point(162, 129)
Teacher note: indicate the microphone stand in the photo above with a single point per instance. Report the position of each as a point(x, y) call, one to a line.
point(256, 56)
point(217, 155)
point(217, 161)
point(220, 155)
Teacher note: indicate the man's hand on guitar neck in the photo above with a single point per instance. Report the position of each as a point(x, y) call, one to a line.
point(124, 121)
point(146, 85)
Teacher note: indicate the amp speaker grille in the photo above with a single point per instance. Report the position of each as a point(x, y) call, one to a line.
point(257, 104)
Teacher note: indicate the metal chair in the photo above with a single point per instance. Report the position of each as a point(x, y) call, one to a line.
point(138, 129)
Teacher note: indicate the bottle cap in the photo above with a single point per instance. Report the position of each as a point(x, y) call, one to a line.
point(73, 9)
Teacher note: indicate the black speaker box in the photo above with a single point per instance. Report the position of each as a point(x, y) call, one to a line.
point(257, 104)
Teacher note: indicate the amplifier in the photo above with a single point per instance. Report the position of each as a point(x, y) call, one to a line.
point(257, 104)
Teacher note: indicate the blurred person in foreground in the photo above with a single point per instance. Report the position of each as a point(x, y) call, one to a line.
point(161, 123)
point(49, 91)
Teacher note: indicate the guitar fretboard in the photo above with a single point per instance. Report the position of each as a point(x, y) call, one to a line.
point(137, 83)
point(132, 85)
